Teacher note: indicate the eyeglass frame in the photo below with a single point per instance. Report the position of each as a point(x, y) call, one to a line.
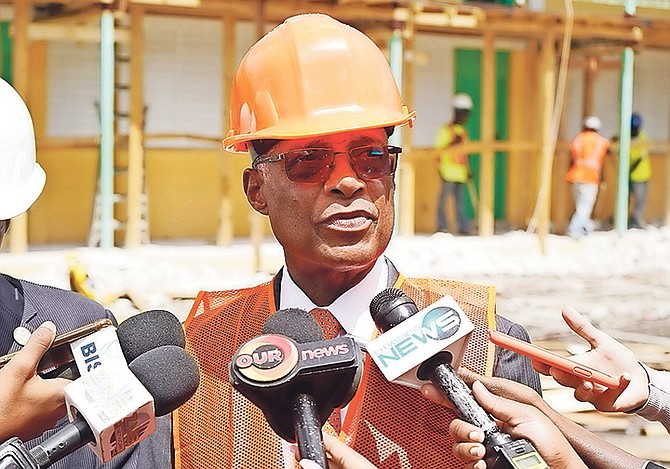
point(391, 150)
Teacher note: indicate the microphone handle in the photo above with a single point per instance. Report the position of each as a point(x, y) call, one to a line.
point(308, 430)
point(65, 441)
point(14, 455)
point(445, 378)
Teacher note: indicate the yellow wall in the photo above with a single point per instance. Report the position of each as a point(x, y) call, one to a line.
point(185, 186)
point(184, 189)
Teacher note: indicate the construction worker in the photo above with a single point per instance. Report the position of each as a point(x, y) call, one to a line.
point(31, 315)
point(640, 171)
point(454, 168)
point(588, 150)
point(313, 103)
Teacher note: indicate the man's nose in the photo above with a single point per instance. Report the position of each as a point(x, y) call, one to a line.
point(343, 178)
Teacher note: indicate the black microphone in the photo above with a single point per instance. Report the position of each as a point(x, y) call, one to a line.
point(391, 307)
point(169, 391)
point(296, 378)
point(137, 334)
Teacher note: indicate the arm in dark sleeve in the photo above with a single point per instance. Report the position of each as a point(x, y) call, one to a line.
point(511, 365)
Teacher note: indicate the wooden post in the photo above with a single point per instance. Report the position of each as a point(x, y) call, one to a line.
point(547, 90)
point(407, 174)
point(136, 130)
point(256, 220)
point(18, 233)
point(589, 76)
point(488, 123)
point(224, 235)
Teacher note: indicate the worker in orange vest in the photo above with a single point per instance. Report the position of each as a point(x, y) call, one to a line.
point(588, 150)
point(313, 104)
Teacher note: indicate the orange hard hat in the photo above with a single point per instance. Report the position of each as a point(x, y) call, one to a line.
point(312, 75)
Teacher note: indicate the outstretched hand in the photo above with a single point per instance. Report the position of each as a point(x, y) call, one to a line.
point(607, 355)
point(29, 405)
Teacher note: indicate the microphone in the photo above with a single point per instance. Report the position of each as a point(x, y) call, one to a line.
point(411, 337)
point(113, 408)
point(296, 378)
point(391, 309)
point(79, 351)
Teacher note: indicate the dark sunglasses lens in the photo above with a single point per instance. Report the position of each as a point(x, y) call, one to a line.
point(373, 162)
point(308, 165)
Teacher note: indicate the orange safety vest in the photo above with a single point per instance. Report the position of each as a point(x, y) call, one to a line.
point(588, 150)
point(393, 426)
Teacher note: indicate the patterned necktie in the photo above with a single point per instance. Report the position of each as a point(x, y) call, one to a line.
point(331, 328)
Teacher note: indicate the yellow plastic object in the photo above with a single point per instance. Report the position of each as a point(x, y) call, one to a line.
point(312, 75)
point(79, 280)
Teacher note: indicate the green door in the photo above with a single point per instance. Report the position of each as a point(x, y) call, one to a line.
point(468, 80)
point(5, 52)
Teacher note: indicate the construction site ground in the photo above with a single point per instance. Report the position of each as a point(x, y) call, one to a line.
point(621, 282)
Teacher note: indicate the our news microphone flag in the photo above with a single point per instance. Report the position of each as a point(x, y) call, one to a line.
point(168, 374)
point(415, 353)
point(289, 360)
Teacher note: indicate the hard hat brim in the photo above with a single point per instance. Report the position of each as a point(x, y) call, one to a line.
point(322, 125)
point(15, 200)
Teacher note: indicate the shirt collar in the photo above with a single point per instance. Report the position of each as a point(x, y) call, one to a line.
point(352, 308)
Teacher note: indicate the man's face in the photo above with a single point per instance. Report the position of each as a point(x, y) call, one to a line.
point(343, 223)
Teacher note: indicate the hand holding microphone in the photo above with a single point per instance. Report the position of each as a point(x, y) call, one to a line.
point(416, 335)
point(80, 350)
point(112, 408)
point(29, 405)
point(520, 421)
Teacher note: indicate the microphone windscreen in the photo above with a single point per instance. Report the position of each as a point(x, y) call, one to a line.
point(294, 323)
point(148, 330)
point(390, 307)
point(170, 375)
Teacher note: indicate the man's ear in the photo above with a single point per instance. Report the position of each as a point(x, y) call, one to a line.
point(253, 182)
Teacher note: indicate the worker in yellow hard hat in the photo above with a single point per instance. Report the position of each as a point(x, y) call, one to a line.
point(313, 103)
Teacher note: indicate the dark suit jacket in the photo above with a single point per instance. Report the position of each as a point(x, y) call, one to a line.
point(29, 305)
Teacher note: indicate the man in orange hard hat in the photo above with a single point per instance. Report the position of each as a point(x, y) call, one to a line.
point(314, 102)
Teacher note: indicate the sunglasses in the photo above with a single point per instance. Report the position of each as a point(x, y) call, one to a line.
point(316, 164)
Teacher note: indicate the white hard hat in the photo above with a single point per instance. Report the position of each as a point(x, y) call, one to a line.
point(21, 177)
point(593, 123)
point(462, 101)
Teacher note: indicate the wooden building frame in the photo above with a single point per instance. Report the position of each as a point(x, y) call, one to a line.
point(542, 32)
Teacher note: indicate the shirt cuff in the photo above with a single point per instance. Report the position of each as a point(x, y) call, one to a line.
point(657, 407)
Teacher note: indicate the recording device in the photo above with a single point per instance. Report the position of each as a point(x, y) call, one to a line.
point(390, 310)
point(109, 408)
point(79, 351)
point(296, 378)
point(411, 336)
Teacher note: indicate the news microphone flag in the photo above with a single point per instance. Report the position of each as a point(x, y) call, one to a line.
point(117, 407)
point(442, 327)
point(99, 348)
